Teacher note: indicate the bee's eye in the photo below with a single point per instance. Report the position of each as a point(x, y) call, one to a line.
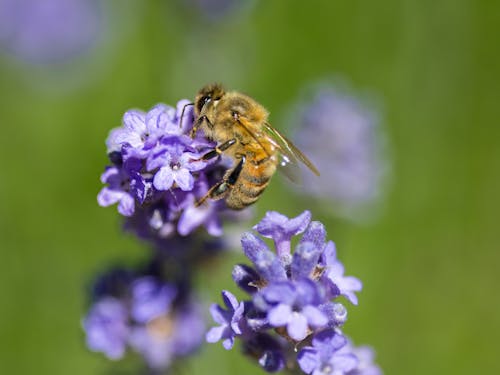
point(204, 100)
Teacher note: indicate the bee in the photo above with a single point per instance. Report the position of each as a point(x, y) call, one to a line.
point(241, 129)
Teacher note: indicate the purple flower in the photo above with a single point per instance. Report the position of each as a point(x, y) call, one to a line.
point(229, 320)
point(49, 31)
point(150, 299)
point(281, 229)
point(141, 311)
point(365, 356)
point(174, 161)
point(168, 337)
point(294, 305)
point(334, 273)
point(324, 357)
point(116, 191)
point(343, 139)
point(106, 327)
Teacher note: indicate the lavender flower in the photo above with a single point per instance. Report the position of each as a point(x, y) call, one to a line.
point(292, 300)
point(343, 139)
point(146, 314)
point(229, 320)
point(324, 356)
point(50, 30)
point(158, 174)
point(106, 327)
point(365, 356)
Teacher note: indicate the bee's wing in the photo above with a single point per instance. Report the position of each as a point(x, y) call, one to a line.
point(290, 154)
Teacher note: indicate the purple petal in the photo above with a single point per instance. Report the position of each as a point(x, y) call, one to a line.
point(315, 316)
point(107, 196)
point(316, 234)
point(267, 263)
point(253, 246)
point(228, 343)
point(280, 315)
point(108, 174)
point(215, 334)
point(193, 217)
point(106, 328)
point(328, 341)
point(344, 362)
point(184, 179)
point(127, 205)
point(237, 318)
point(134, 121)
point(150, 299)
point(283, 292)
point(164, 178)
point(230, 300)
point(329, 255)
point(308, 359)
point(218, 314)
point(297, 327)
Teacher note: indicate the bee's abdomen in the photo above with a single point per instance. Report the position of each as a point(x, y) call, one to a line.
point(251, 182)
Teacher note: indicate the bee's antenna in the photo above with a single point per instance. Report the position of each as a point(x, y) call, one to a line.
point(182, 114)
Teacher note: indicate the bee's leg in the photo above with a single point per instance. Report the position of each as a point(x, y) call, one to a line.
point(198, 123)
point(218, 150)
point(222, 188)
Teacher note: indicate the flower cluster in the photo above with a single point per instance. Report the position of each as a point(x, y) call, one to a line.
point(158, 173)
point(143, 312)
point(293, 306)
point(343, 138)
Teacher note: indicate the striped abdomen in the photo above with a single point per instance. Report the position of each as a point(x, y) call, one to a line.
point(252, 181)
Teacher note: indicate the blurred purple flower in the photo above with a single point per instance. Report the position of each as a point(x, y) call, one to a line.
point(344, 140)
point(150, 299)
point(168, 337)
point(157, 319)
point(49, 31)
point(107, 328)
point(365, 356)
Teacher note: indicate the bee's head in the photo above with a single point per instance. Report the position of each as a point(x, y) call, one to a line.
point(209, 93)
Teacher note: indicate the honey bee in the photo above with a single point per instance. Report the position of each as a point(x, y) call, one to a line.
point(240, 127)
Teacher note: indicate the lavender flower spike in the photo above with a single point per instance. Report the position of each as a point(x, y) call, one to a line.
point(158, 174)
point(143, 312)
point(292, 302)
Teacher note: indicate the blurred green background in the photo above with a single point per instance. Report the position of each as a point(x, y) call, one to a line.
point(429, 263)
